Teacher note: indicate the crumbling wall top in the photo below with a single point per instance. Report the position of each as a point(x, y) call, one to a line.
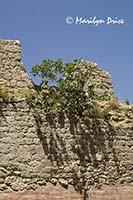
point(11, 69)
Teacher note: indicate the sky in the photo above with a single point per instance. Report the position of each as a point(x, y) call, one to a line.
point(57, 29)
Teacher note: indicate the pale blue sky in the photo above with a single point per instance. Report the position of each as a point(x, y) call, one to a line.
point(43, 32)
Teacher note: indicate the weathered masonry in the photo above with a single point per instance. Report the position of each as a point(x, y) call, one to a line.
point(61, 159)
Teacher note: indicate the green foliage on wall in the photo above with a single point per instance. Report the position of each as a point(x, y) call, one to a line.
point(62, 86)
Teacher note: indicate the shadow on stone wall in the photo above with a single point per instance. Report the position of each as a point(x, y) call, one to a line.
point(2, 117)
point(3, 105)
point(86, 142)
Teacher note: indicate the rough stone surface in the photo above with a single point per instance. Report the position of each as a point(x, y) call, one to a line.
point(36, 151)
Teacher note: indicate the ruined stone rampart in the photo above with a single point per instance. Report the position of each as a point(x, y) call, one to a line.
point(61, 155)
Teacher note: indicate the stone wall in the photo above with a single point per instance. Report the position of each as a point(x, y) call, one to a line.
point(35, 150)
point(39, 153)
point(13, 79)
point(99, 78)
point(11, 69)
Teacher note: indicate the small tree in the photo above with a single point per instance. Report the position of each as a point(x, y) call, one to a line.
point(68, 94)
